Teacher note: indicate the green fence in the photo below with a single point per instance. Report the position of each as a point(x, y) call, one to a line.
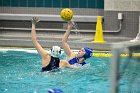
point(98, 4)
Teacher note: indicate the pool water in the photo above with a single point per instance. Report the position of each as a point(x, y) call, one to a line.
point(20, 73)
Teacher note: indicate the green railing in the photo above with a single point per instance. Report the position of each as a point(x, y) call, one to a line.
point(98, 4)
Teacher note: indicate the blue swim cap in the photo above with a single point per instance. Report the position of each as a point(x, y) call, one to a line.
point(55, 91)
point(88, 52)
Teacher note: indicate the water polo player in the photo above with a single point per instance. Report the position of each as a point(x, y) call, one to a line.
point(50, 61)
point(73, 58)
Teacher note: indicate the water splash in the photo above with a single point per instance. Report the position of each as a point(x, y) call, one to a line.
point(75, 27)
point(35, 91)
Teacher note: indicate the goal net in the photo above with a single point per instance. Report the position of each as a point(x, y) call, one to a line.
point(125, 70)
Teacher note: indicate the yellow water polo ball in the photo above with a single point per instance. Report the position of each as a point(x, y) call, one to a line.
point(66, 14)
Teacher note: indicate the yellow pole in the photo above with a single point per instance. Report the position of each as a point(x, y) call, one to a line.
point(99, 38)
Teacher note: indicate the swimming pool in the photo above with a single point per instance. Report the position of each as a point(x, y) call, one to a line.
point(20, 73)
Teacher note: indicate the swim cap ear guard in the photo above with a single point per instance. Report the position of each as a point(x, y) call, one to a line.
point(56, 51)
point(88, 52)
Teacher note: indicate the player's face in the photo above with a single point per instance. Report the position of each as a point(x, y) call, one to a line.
point(81, 52)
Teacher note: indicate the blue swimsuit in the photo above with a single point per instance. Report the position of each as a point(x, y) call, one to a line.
point(75, 60)
point(54, 64)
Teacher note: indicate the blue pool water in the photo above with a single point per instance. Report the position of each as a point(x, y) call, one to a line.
point(20, 73)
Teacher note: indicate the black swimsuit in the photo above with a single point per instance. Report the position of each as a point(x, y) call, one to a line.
point(54, 64)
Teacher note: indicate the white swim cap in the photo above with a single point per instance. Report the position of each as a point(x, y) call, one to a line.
point(56, 51)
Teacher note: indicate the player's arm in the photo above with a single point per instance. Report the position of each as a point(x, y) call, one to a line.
point(65, 45)
point(34, 39)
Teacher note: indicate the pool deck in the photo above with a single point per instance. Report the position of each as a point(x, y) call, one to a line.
point(48, 40)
